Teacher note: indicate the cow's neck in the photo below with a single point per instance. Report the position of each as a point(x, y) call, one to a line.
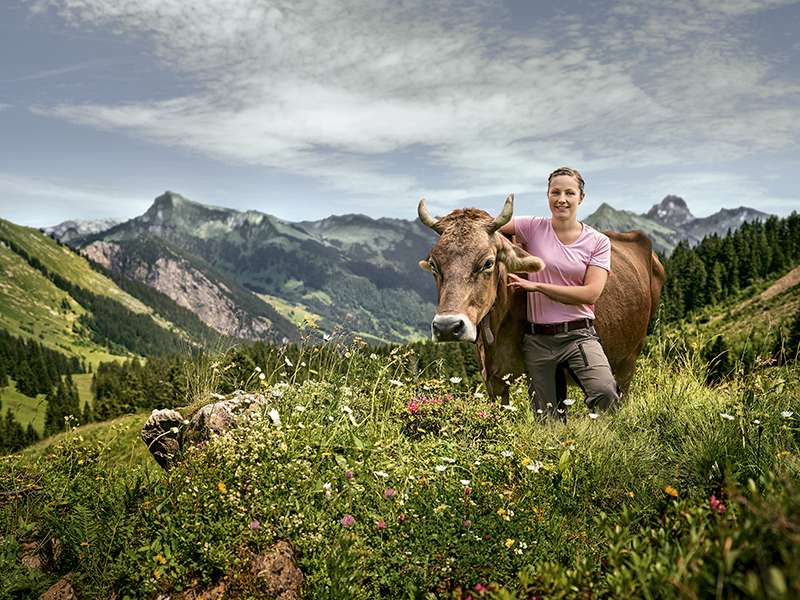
point(497, 313)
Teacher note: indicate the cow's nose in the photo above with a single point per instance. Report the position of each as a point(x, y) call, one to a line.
point(447, 327)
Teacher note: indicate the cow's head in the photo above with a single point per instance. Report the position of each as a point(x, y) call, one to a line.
point(469, 261)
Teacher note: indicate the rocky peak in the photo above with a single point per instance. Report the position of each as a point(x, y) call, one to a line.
point(671, 211)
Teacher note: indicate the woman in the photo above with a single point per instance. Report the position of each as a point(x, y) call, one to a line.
point(561, 299)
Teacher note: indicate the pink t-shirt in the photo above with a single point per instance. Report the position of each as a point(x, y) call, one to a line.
point(566, 265)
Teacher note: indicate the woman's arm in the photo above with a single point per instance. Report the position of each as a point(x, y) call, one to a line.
point(593, 283)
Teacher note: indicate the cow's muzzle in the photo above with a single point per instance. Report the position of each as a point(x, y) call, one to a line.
point(453, 328)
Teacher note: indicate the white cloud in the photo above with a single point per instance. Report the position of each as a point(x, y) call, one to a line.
point(336, 91)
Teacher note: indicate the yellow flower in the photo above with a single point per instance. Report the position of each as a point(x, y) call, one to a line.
point(526, 461)
point(509, 542)
point(160, 559)
point(221, 487)
point(501, 511)
point(631, 494)
point(671, 491)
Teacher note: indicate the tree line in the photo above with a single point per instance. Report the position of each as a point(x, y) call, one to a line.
point(719, 267)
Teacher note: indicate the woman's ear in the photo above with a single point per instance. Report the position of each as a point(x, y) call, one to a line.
point(515, 258)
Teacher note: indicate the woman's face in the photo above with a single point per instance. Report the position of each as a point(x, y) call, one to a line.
point(563, 197)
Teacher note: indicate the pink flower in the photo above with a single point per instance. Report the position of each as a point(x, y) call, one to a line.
point(254, 524)
point(467, 491)
point(348, 520)
point(348, 474)
point(480, 588)
point(716, 505)
point(482, 414)
point(380, 524)
point(412, 406)
point(401, 517)
point(388, 493)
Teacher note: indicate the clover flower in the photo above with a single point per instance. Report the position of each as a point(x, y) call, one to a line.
point(380, 524)
point(348, 520)
point(348, 474)
point(388, 493)
point(412, 406)
point(254, 524)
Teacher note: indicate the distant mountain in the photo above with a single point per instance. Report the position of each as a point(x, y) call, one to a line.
point(671, 221)
point(70, 230)
point(351, 272)
point(607, 218)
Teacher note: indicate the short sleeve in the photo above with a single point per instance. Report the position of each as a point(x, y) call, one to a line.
point(601, 257)
point(522, 228)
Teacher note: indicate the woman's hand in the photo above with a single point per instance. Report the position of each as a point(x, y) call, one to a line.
point(515, 282)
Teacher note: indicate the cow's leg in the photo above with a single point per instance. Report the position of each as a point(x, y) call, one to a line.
point(624, 374)
point(498, 389)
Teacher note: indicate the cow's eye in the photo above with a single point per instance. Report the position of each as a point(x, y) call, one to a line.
point(488, 264)
point(433, 267)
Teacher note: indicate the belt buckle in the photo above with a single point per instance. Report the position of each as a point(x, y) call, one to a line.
point(566, 327)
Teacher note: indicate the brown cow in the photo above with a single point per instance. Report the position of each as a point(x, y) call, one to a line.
point(470, 262)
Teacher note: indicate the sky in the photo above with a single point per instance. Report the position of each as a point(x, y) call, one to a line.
point(303, 109)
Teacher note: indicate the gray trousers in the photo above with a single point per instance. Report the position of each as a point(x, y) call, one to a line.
point(579, 352)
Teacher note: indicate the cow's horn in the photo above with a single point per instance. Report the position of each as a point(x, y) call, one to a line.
point(504, 216)
point(426, 217)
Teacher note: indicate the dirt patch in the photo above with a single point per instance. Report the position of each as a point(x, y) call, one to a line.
point(791, 279)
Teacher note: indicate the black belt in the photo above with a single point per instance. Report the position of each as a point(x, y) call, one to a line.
point(554, 328)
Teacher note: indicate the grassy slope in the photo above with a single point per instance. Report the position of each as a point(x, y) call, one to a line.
point(32, 410)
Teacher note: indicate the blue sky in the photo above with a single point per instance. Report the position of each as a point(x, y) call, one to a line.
point(304, 109)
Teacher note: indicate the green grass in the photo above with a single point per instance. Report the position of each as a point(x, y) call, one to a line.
point(446, 492)
point(296, 313)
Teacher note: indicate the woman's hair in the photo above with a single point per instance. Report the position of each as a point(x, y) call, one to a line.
point(566, 171)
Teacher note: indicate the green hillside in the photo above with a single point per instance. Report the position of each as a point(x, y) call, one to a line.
point(32, 410)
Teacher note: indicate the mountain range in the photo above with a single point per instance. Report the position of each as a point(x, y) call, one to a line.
point(250, 275)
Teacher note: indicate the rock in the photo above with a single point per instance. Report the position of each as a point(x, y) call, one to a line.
point(167, 433)
point(278, 572)
point(60, 590)
point(162, 436)
point(29, 556)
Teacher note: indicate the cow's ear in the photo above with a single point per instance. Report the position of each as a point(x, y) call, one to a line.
point(425, 266)
point(516, 259)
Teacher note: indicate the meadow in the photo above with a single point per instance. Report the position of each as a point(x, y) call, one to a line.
point(400, 482)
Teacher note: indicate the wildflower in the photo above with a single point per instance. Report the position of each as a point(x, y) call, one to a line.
point(261, 376)
point(159, 558)
point(727, 417)
point(373, 356)
point(347, 520)
point(441, 468)
point(455, 380)
point(383, 474)
point(756, 422)
point(327, 487)
point(254, 524)
point(482, 414)
point(412, 406)
point(287, 361)
point(258, 369)
point(671, 491)
point(716, 504)
point(477, 463)
point(381, 524)
point(507, 453)
point(480, 588)
point(464, 481)
point(222, 488)
point(401, 517)
point(786, 414)
point(535, 466)
point(348, 474)
point(449, 460)
point(388, 493)
point(509, 407)
point(276, 417)
point(299, 408)
point(593, 415)
point(478, 395)
point(509, 542)
point(467, 491)
point(396, 382)
point(568, 402)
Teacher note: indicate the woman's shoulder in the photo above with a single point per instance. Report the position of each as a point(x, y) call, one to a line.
point(598, 236)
